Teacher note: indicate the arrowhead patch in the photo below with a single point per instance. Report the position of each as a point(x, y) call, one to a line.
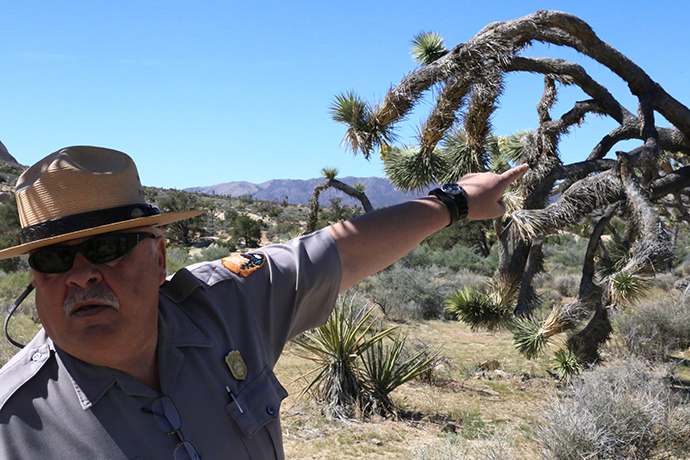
point(244, 264)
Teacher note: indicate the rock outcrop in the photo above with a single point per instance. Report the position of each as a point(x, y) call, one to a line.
point(5, 155)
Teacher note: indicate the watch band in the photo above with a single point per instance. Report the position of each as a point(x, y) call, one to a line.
point(455, 202)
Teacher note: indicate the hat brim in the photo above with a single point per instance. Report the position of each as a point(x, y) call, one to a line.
point(158, 219)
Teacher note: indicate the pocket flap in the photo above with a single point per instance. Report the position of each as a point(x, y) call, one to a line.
point(258, 402)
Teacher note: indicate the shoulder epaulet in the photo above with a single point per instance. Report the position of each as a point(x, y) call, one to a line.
point(24, 365)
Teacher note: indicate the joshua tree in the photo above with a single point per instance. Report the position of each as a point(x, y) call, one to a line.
point(356, 191)
point(642, 187)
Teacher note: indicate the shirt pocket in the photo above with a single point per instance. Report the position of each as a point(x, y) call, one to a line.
point(257, 403)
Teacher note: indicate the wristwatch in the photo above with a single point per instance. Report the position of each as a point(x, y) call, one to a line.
point(455, 199)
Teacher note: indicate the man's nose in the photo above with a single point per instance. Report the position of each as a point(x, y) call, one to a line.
point(83, 272)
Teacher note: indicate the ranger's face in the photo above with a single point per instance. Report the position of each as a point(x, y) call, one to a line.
point(105, 314)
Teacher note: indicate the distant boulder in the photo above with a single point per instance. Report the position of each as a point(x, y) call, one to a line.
point(5, 155)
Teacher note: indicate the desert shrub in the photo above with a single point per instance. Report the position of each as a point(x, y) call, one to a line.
point(12, 284)
point(9, 235)
point(24, 323)
point(212, 253)
point(454, 259)
point(406, 293)
point(245, 200)
point(457, 447)
point(567, 285)
point(664, 281)
point(566, 255)
point(542, 280)
point(656, 328)
point(282, 231)
point(177, 258)
point(293, 214)
point(268, 208)
point(622, 411)
point(549, 298)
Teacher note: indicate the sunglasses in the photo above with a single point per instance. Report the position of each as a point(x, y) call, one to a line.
point(98, 250)
point(168, 419)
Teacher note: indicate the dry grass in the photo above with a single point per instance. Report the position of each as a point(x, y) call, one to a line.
point(502, 403)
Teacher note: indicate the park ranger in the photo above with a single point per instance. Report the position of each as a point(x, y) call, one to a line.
point(133, 365)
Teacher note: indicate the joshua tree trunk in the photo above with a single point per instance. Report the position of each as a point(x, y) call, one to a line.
point(314, 206)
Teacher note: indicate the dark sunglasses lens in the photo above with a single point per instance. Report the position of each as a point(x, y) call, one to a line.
point(99, 250)
point(105, 248)
point(52, 259)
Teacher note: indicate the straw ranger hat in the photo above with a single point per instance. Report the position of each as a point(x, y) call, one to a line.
point(78, 192)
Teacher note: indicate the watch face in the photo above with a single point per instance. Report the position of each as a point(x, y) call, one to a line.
point(451, 189)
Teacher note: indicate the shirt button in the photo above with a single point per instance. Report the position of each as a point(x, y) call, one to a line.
point(271, 410)
point(36, 356)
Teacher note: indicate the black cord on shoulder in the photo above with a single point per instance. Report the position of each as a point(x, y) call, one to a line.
point(14, 307)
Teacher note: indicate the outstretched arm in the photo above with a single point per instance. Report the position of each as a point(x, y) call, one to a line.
point(375, 240)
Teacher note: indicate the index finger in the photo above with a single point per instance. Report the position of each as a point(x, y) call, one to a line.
point(514, 174)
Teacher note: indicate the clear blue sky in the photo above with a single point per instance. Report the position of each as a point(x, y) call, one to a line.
point(204, 92)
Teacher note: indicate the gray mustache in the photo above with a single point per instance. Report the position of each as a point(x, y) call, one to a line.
point(99, 294)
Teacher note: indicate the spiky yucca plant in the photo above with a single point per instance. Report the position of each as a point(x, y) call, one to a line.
point(566, 364)
point(512, 146)
point(427, 47)
point(386, 368)
point(459, 156)
point(329, 173)
point(477, 309)
point(528, 337)
point(613, 259)
point(531, 335)
point(335, 348)
point(364, 131)
point(626, 288)
point(409, 170)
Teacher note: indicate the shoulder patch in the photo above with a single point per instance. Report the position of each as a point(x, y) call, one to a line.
point(244, 264)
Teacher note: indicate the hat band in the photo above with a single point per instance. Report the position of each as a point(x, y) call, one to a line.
point(85, 220)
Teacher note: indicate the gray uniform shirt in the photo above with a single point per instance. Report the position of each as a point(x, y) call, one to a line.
point(54, 406)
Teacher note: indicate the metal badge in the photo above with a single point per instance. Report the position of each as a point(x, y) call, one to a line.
point(236, 364)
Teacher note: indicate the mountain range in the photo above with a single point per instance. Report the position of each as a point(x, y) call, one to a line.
point(380, 191)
